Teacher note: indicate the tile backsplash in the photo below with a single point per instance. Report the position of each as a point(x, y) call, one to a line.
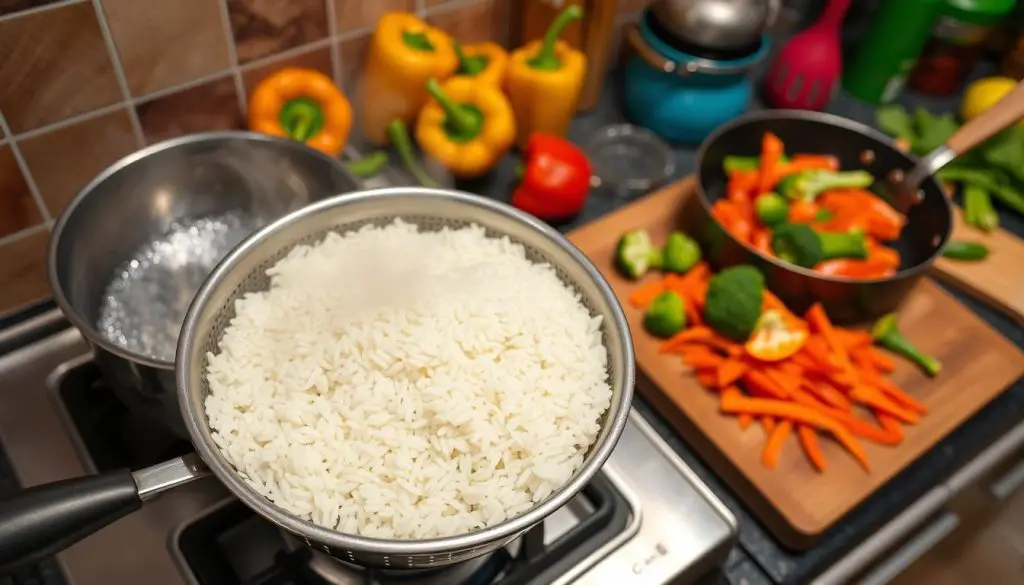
point(86, 82)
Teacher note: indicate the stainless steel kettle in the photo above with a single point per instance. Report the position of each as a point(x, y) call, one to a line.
point(716, 24)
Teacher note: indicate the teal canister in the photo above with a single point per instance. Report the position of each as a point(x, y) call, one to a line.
point(886, 54)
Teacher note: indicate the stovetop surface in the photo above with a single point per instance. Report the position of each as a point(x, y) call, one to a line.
point(645, 519)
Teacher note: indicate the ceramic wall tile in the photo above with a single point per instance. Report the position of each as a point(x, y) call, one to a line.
point(18, 210)
point(55, 64)
point(14, 6)
point(23, 278)
point(163, 43)
point(474, 22)
point(265, 27)
point(318, 59)
point(207, 107)
point(353, 57)
point(353, 15)
point(61, 166)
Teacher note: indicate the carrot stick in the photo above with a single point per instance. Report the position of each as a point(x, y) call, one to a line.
point(730, 371)
point(881, 361)
point(797, 413)
point(758, 383)
point(828, 394)
point(646, 293)
point(707, 379)
point(768, 424)
point(812, 448)
point(693, 316)
point(819, 321)
point(870, 396)
point(691, 335)
point(703, 360)
point(776, 441)
point(745, 421)
point(771, 153)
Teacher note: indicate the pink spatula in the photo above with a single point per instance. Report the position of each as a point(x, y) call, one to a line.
point(807, 69)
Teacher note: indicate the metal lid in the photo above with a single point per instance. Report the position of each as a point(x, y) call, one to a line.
point(716, 24)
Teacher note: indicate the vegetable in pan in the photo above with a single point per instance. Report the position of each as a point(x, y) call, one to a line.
point(803, 209)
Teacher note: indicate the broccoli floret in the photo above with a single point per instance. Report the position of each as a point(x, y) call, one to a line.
point(636, 254)
point(799, 244)
point(771, 209)
point(733, 163)
point(666, 316)
point(733, 302)
point(807, 185)
point(681, 253)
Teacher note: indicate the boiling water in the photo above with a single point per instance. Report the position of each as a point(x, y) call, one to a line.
point(145, 304)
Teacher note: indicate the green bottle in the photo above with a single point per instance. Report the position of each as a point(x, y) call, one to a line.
point(886, 54)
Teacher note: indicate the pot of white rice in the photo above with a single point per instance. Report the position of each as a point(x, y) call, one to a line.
point(403, 378)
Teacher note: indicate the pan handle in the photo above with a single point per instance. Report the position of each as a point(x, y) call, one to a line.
point(41, 521)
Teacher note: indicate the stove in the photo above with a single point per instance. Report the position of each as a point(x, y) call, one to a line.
point(645, 518)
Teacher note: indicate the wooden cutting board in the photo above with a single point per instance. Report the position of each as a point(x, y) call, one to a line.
point(796, 502)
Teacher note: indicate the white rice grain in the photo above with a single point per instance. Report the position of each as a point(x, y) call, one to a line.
point(408, 385)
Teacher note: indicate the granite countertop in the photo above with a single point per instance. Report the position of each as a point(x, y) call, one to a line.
point(760, 558)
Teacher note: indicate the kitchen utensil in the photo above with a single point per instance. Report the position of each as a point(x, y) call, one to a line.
point(42, 520)
point(682, 96)
point(845, 299)
point(886, 53)
point(806, 71)
point(629, 159)
point(794, 501)
point(172, 186)
point(903, 187)
point(592, 35)
point(725, 25)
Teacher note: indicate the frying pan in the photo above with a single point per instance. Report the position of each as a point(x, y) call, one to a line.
point(857, 146)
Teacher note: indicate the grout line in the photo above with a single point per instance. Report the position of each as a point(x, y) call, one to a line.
point(72, 120)
point(122, 80)
point(332, 32)
point(354, 34)
point(38, 9)
point(33, 189)
point(181, 86)
point(421, 8)
point(286, 54)
point(447, 7)
point(229, 35)
point(22, 234)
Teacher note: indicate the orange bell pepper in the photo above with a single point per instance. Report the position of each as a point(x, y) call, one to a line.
point(304, 105)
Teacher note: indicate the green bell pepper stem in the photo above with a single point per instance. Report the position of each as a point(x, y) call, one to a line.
point(403, 144)
point(545, 57)
point(460, 120)
point(302, 118)
point(470, 65)
point(369, 165)
point(418, 41)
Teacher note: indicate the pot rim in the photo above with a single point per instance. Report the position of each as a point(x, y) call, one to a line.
point(826, 119)
point(84, 326)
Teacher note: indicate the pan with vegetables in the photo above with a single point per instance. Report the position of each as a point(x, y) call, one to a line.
point(803, 197)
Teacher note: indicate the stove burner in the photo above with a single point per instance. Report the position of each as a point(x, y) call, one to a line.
point(231, 545)
point(113, 436)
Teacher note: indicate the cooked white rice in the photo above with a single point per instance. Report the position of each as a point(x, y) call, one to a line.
point(408, 385)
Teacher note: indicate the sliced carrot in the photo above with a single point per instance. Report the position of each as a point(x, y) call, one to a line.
point(896, 394)
point(693, 316)
point(760, 384)
point(645, 294)
point(730, 371)
point(800, 414)
point(812, 448)
point(745, 421)
point(853, 339)
point(767, 423)
point(707, 379)
point(883, 362)
point(827, 393)
point(771, 153)
point(776, 441)
point(874, 398)
point(762, 241)
point(802, 212)
point(889, 424)
point(820, 322)
point(691, 335)
point(703, 360)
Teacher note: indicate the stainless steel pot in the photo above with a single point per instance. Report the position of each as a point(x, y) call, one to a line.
point(138, 198)
point(45, 519)
point(716, 24)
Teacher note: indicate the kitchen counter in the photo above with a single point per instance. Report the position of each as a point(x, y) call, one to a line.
point(759, 558)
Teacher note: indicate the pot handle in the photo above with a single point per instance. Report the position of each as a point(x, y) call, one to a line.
point(44, 520)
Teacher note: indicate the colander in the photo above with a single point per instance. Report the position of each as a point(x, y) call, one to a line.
point(45, 519)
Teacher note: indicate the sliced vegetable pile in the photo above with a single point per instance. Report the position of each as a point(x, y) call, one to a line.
point(804, 210)
point(792, 374)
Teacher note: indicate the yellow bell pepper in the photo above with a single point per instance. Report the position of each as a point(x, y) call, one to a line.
point(545, 79)
point(467, 126)
point(404, 53)
point(304, 105)
point(485, 62)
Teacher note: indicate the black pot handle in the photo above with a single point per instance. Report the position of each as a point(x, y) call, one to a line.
point(43, 520)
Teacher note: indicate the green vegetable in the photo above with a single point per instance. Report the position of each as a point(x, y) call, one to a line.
point(666, 316)
point(368, 166)
point(923, 130)
point(399, 135)
point(978, 210)
point(733, 163)
point(636, 254)
point(681, 253)
point(823, 215)
point(886, 333)
point(771, 209)
point(807, 185)
point(896, 122)
point(733, 302)
point(995, 182)
point(1006, 151)
point(967, 251)
point(799, 244)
